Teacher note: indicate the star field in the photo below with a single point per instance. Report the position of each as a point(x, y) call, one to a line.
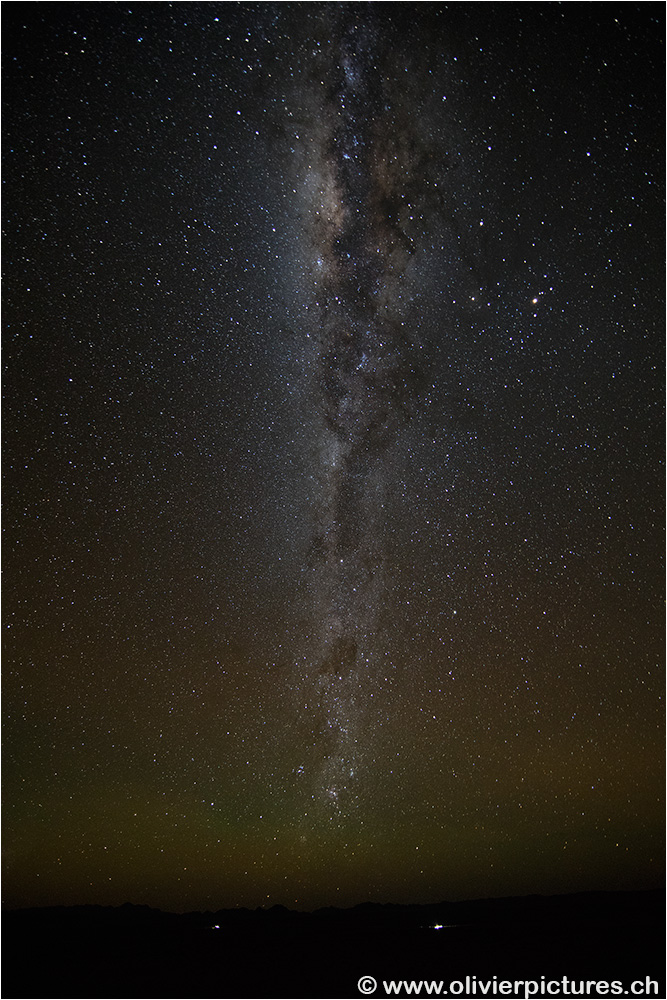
point(333, 456)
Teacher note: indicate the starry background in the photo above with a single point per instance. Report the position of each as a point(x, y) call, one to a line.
point(290, 287)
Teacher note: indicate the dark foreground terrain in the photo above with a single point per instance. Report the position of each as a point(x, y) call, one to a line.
point(134, 951)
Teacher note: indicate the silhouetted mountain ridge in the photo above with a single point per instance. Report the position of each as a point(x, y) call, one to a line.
point(134, 950)
point(582, 905)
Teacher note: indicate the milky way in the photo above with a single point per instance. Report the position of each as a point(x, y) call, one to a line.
point(357, 244)
point(333, 435)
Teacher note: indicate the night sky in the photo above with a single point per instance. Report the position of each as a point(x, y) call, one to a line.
point(333, 452)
